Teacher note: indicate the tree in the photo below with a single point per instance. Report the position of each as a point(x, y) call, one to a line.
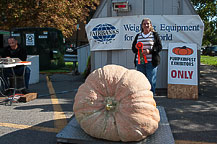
point(208, 13)
point(60, 14)
point(65, 14)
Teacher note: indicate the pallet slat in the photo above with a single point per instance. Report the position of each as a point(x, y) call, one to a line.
point(28, 97)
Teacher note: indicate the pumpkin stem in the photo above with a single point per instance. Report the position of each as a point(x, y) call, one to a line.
point(110, 104)
point(184, 47)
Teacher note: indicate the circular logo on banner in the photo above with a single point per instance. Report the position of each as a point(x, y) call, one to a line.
point(182, 50)
point(104, 32)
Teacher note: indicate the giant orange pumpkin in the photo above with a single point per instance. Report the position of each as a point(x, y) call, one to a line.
point(116, 104)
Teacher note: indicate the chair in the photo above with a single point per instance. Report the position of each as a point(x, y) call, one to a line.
point(19, 84)
point(2, 86)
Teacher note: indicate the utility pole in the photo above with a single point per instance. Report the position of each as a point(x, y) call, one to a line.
point(76, 43)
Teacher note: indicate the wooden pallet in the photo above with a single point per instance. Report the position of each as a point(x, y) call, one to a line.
point(28, 97)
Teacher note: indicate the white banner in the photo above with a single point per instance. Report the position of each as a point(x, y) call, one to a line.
point(182, 64)
point(116, 33)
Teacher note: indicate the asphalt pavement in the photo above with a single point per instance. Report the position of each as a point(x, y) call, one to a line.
point(195, 120)
point(38, 121)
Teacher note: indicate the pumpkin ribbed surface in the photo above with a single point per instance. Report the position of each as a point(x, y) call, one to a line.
point(116, 104)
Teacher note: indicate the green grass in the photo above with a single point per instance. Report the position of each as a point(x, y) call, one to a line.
point(66, 69)
point(209, 60)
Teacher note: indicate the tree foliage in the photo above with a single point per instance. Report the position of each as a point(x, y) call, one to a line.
point(208, 13)
point(60, 14)
point(65, 14)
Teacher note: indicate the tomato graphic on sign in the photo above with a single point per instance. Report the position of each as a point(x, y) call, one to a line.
point(182, 50)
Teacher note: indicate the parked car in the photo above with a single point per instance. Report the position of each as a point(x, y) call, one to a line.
point(202, 50)
point(71, 50)
point(211, 51)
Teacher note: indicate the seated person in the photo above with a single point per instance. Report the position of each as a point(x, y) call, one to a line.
point(14, 50)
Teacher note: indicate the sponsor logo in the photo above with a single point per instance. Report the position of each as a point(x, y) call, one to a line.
point(104, 33)
point(182, 50)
